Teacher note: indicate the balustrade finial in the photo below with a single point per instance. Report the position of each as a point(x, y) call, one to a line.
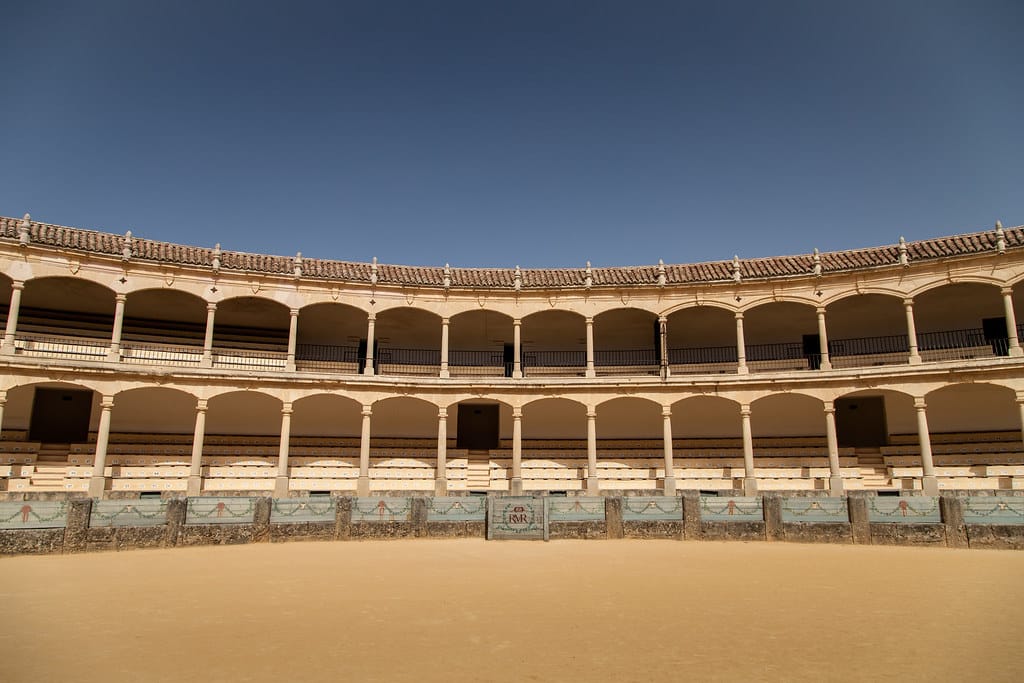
point(904, 258)
point(215, 263)
point(24, 228)
point(662, 277)
point(1000, 238)
point(737, 275)
point(817, 263)
point(297, 265)
point(126, 246)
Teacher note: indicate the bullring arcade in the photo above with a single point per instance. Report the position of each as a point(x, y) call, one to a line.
point(133, 366)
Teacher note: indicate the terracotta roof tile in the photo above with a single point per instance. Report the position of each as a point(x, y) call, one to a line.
point(715, 271)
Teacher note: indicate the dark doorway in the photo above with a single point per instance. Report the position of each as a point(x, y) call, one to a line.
point(509, 358)
point(860, 422)
point(479, 426)
point(60, 416)
point(812, 351)
point(996, 334)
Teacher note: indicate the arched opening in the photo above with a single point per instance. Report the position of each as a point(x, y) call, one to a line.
point(702, 340)
point(251, 332)
point(327, 415)
point(324, 443)
point(244, 414)
point(408, 342)
point(5, 299)
point(331, 337)
point(788, 415)
point(163, 326)
point(627, 341)
point(554, 445)
point(64, 317)
point(961, 321)
point(140, 412)
point(52, 416)
point(782, 335)
point(630, 445)
point(554, 343)
point(866, 330)
point(403, 454)
point(707, 444)
point(966, 408)
point(480, 344)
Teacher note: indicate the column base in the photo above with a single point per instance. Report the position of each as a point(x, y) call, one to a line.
point(593, 487)
point(444, 374)
point(281, 487)
point(363, 486)
point(742, 370)
point(206, 362)
point(915, 360)
point(591, 372)
point(97, 485)
point(669, 486)
point(1016, 351)
point(749, 486)
point(289, 366)
point(825, 365)
point(517, 374)
point(114, 356)
point(368, 371)
point(515, 486)
point(929, 485)
point(194, 487)
point(835, 485)
point(440, 487)
point(7, 349)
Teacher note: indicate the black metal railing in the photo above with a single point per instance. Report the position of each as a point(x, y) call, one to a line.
point(482, 363)
point(783, 351)
point(398, 361)
point(626, 357)
point(343, 359)
point(554, 359)
point(867, 346)
point(703, 356)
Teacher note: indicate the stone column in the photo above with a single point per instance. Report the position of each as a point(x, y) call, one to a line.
point(211, 312)
point(444, 348)
point(590, 348)
point(195, 472)
point(281, 483)
point(371, 321)
point(516, 484)
point(363, 484)
point(826, 362)
point(3, 402)
point(669, 488)
point(517, 348)
point(749, 478)
point(12, 317)
point(98, 483)
point(666, 368)
point(915, 357)
point(441, 473)
point(114, 354)
point(1020, 409)
point(1011, 322)
point(835, 478)
point(293, 331)
point(741, 345)
point(592, 486)
point(929, 484)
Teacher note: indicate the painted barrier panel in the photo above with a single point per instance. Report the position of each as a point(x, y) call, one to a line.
point(140, 512)
point(220, 510)
point(652, 508)
point(992, 510)
point(457, 509)
point(581, 509)
point(518, 517)
point(308, 509)
point(381, 509)
point(34, 514)
point(904, 510)
point(731, 509)
point(818, 510)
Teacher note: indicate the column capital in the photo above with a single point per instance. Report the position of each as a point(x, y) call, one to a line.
point(745, 410)
point(909, 301)
point(666, 411)
point(3, 397)
point(739, 315)
point(201, 405)
point(517, 412)
point(445, 320)
point(120, 298)
point(286, 408)
point(107, 402)
point(919, 403)
point(663, 319)
point(293, 312)
point(1020, 397)
point(442, 413)
point(830, 407)
point(371, 317)
point(367, 411)
point(1006, 291)
point(18, 285)
point(516, 322)
point(591, 413)
point(211, 306)
point(589, 320)
point(820, 310)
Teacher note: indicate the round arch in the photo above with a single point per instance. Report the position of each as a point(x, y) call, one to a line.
point(629, 417)
point(973, 407)
point(554, 418)
point(17, 414)
point(956, 306)
point(154, 410)
point(243, 413)
point(789, 414)
point(164, 315)
point(867, 329)
point(404, 417)
point(329, 323)
point(251, 322)
point(327, 415)
point(706, 417)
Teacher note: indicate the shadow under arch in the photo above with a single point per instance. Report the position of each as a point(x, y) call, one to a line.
point(787, 414)
point(154, 410)
point(554, 418)
point(972, 407)
point(404, 417)
point(629, 417)
point(706, 416)
point(243, 412)
point(326, 414)
point(18, 411)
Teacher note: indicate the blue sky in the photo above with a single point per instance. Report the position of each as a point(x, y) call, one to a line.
point(502, 133)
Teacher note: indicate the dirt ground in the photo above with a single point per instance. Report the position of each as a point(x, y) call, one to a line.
point(463, 610)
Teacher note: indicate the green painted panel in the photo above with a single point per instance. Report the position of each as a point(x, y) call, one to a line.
point(457, 509)
point(141, 512)
point(309, 509)
point(581, 509)
point(225, 510)
point(381, 509)
point(731, 509)
point(519, 517)
point(904, 510)
point(33, 514)
point(664, 508)
point(815, 510)
point(993, 510)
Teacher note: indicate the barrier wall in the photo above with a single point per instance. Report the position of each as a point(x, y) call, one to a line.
point(82, 524)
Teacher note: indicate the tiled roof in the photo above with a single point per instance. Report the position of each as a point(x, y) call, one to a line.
point(92, 241)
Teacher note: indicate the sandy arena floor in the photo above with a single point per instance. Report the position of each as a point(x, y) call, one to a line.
point(514, 611)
